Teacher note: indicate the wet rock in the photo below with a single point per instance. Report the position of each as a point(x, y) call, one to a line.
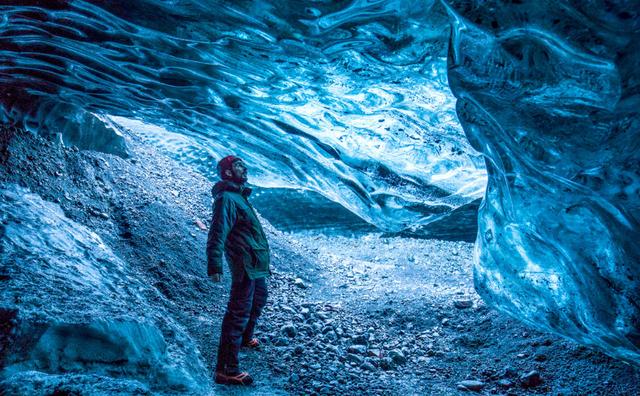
point(397, 356)
point(323, 316)
point(531, 379)
point(509, 372)
point(330, 336)
point(360, 339)
point(289, 330)
point(351, 357)
point(463, 304)
point(332, 349)
point(200, 225)
point(359, 349)
point(374, 353)
point(300, 283)
point(540, 357)
point(470, 385)
point(368, 366)
point(288, 309)
point(505, 383)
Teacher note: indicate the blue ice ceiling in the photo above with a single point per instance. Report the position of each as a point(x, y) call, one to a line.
point(348, 99)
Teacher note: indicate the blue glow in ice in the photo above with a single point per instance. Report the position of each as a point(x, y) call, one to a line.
point(350, 101)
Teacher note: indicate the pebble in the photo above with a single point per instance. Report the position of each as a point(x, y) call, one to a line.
point(368, 366)
point(289, 330)
point(200, 225)
point(397, 357)
point(505, 383)
point(374, 353)
point(540, 357)
point(359, 349)
point(330, 336)
point(299, 283)
point(332, 348)
point(353, 358)
point(509, 372)
point(470, 385)
point(386, 363)
point(360, 339)
point(463, 304)
point(531, 379)
point(288, 309)
point(323, 316)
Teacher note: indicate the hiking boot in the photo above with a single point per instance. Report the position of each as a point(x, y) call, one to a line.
point(253, 343)
point(233, 378)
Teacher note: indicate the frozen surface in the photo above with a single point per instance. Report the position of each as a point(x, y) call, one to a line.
point(351, 100)
point(347, 99)
point(70, 306)
point(551, 96)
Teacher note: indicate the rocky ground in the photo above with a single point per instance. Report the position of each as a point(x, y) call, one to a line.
point(400, 316)
point(347, 316)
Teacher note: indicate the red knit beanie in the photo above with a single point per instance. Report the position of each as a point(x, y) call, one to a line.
point(225, 164)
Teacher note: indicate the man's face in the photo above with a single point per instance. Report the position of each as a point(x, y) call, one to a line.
point(239, 171)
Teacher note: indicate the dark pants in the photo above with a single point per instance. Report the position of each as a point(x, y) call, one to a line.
point(246, 301)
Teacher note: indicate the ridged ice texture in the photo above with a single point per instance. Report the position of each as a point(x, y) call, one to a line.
point(80, 309)
point(347, 98)
point(550, 93)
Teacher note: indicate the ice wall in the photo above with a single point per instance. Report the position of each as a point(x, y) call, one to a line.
point(73, 312)
point(550, 93)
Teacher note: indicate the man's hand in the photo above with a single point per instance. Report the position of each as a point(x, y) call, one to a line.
point(215, 277)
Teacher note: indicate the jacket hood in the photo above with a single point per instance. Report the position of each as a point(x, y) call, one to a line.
point(226, 185)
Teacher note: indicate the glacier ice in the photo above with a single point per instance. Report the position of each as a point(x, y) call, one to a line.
point(551, 96)
point(349, 100)
point(76, 308)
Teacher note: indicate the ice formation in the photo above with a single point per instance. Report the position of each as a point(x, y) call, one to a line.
point(69, 305)
point(551, 96)
point(351, 99)
point(348, 100)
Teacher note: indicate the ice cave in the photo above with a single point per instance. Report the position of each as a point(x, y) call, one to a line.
point(450, 191)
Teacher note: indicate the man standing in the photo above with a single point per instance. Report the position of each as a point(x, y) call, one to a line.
point(237, 234)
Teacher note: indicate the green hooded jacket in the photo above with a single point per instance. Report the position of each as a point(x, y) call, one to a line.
point(236, 232)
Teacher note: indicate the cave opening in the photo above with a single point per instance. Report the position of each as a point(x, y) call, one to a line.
point(372, 131)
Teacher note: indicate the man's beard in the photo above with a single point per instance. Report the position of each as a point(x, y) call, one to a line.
point(239, 179)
